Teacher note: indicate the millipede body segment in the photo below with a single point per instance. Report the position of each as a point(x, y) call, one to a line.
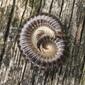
point(41, 40)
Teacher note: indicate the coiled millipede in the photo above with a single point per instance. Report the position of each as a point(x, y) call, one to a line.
point(41, 41)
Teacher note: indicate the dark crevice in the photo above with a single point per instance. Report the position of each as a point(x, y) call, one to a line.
point(17, 42)
point(65, 73)
point(61, 8)
point(22, 76)
point(33, 78)
point(81, 69)
point(83, 26)
point(73, 47)
point(71, 14)
point(46, 76)
point(19, 58)
point(60, 70)
point(34, 74)
point(32, 7)
point(52, 74)
point(20, 24)
point(39, 8)
point(83, 61)
point(51, 6)
point(7, 31)
point(1, 3)
point(77, 47)
point(17, 35)
point(75, 52)
point(23, 12)
point(43, 3)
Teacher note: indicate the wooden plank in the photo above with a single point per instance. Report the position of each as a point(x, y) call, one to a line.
point(15, 70)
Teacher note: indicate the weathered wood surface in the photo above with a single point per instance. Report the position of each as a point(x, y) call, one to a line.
point(14, 70)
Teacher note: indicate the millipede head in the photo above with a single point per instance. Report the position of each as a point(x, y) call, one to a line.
point(42, 42)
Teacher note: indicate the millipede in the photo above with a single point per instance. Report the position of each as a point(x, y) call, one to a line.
point(41, 40)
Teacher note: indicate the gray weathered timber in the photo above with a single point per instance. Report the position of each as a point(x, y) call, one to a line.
point(14, 69)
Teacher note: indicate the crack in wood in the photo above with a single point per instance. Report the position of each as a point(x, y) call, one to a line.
point(61, 8)
point(7, 32)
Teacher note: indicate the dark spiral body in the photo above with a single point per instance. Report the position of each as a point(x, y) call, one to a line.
point(41, 41)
